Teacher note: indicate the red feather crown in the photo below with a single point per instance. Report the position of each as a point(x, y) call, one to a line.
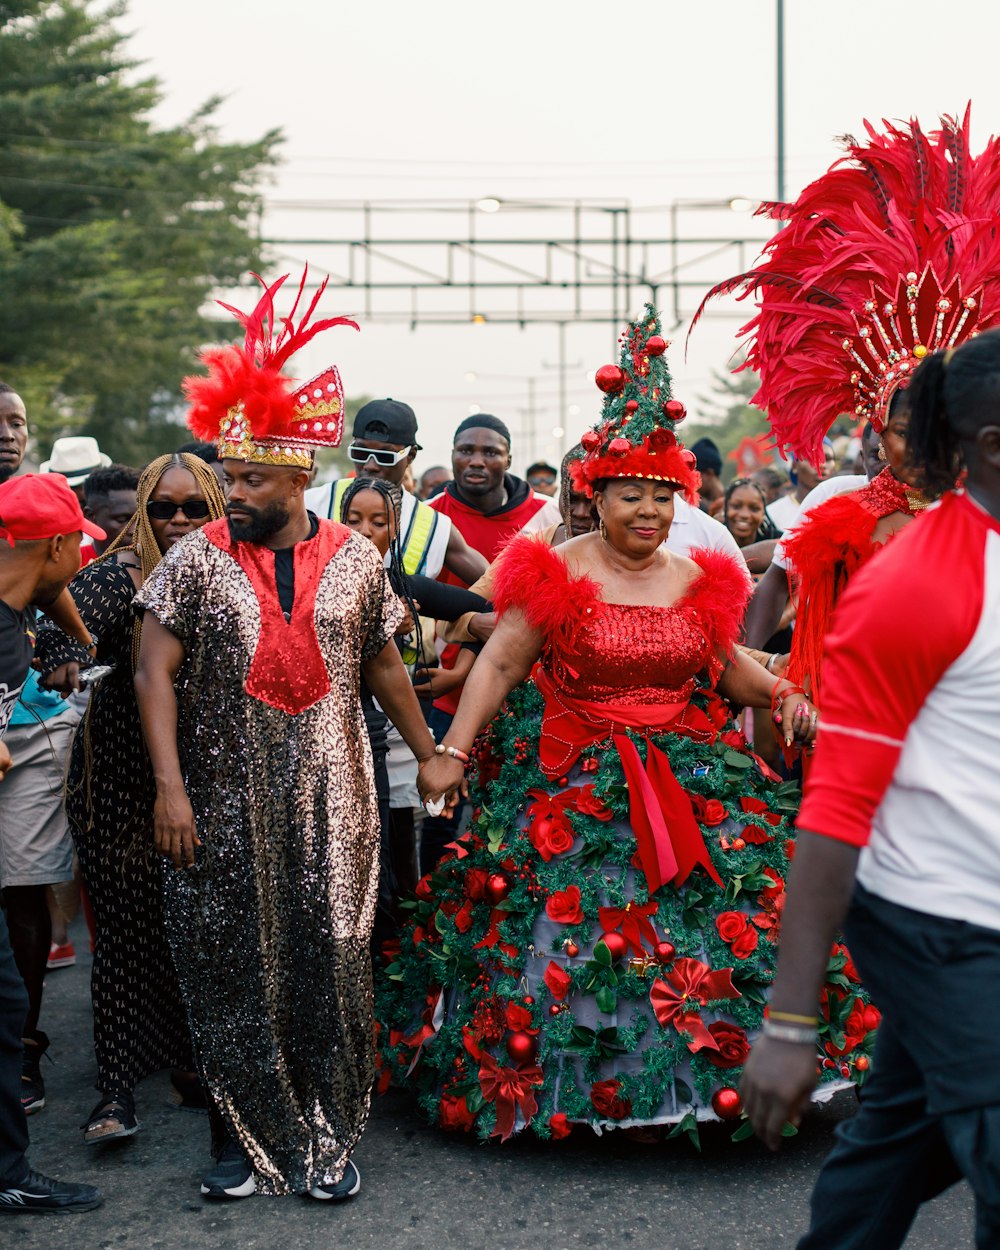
point(635, 435)
point(249, 406)
point(893, 253)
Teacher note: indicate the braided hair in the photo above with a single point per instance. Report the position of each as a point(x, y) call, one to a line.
point(566, 486)
point(767, 528)
point(391, 494)
point(952, 396)
point(138, 536)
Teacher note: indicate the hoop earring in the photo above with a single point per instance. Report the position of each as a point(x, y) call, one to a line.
point(604, 530)
point(881, 452)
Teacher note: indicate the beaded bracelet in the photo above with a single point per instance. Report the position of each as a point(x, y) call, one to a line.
point(798, 1035)
point(454, 752)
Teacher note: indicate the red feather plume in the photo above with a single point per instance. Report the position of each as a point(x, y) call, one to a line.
point(251, 375)
point(901, 201)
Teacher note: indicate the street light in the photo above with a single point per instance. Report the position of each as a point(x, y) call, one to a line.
point(488, 204)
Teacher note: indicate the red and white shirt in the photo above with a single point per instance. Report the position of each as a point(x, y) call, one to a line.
point(907, 761)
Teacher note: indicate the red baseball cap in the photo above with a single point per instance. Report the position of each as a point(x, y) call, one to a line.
point(41, 505)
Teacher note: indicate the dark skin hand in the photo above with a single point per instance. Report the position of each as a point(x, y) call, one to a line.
point(779, 1077)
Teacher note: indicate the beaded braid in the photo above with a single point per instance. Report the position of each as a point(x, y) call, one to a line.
point(138, 535)
point(392, 494)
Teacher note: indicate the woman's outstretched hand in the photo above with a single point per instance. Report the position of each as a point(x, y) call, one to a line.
point(799, 719)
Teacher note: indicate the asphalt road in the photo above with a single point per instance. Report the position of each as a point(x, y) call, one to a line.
point(423, 1190)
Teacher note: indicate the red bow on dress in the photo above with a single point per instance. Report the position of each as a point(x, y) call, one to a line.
point(678, 999)
point(509, 1089)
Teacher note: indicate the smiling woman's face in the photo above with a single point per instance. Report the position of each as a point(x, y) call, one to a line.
point(745, 514)
point(636, 514)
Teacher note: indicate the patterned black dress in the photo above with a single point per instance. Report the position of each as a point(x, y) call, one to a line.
point(139, 1021)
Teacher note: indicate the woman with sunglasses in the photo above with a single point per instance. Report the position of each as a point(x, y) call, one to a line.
point(139, 1022)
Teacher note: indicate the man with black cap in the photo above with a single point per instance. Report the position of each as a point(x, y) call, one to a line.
point(709, 462)
point(384, 445)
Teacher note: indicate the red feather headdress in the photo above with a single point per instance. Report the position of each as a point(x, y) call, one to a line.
point(249, 406)
point(893, 253)
point(635, 435)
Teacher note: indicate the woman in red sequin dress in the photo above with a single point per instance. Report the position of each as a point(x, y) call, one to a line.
point(598, 949)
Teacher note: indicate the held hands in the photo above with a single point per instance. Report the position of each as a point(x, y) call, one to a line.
point(432, 683)
point(777, 1082)
point(796, 717)
point(407, 624)
point(441, 776)
point(174, 833)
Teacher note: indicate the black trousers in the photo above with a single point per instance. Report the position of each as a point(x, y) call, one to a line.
point(13, 1013)
point(930, 1113)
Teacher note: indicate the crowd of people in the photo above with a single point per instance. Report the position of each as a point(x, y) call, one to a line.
point(486, 786)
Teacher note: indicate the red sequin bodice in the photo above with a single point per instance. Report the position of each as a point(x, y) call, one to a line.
point(632, 654)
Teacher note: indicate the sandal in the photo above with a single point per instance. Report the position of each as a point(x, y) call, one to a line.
point(113, 1117)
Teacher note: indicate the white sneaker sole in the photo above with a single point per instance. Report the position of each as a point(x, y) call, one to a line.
point(324, 1195)
point(248, 1187)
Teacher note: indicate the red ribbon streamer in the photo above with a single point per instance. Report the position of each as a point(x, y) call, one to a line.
point(668, 838)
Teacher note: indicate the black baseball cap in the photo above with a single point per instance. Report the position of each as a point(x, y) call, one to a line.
point(387, 421)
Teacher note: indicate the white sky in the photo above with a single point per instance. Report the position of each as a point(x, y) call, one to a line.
point(650, 103)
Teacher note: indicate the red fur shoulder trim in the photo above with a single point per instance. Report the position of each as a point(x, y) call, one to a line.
point(831, 544)
point(719, 596)
point(532, 578)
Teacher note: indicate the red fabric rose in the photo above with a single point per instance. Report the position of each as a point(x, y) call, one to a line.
point(772, 891)
point(607, 1100)
point(423, 889)
point(519, 1019)
point(732, 1043)
point(848, 969)
point(697, 806)
point(548, 828)
point(559, 1125)
point(564, 906)
point(730, 924)
point(463, 918)
point(454, 1114)
point(715, 812)
point(586, 801)
point(745, 944)
point(558, 980)
point(475, 884)
point(863, 1018)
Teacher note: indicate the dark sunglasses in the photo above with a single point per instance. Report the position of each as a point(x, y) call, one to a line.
point(164, 510)
point(382, 456)
point(541, 479)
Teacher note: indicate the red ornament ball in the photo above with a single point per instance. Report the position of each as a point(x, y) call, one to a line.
point(522, 1047)
point(664, 952)
point(656, 346)
point(609, 379)
point(726, 1103)
point(861, 1063)
point(591, 440)
point(619, 446)
point(497, 887)
point(632, 405)
point(675, 410)
point(554, 1009)
point(528, 1000)
point(572, 950)
point(616, 944)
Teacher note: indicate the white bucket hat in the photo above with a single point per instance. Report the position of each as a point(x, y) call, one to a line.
point(75, 458)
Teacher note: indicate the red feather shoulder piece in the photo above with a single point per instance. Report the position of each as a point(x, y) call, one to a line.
point(719, 597)
point(533, 579)
point(828, 548)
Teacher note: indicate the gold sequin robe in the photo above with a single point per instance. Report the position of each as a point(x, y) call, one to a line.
point(269, 931)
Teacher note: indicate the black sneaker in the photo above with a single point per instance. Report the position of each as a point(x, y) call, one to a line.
point(348, 1185)
point(41, 1193)
point(232, 1176)
point(35, 1044)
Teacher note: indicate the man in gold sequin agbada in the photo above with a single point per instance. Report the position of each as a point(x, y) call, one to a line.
point(256, 632)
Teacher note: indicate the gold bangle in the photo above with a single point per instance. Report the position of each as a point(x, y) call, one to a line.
point(792, 1018)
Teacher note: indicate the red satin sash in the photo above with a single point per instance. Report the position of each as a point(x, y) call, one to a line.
point(668, 837)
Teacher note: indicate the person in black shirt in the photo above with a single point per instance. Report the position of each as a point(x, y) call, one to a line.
point(40, 528)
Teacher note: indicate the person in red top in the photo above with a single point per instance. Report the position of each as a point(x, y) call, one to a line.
point(901, 808)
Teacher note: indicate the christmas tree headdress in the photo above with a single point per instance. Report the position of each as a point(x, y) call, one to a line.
point(635, 435)
point(249, 406)
point(891, 254)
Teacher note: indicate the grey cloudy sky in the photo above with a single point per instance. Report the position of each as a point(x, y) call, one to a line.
point(651, 103)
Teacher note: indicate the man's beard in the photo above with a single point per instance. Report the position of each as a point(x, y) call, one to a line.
point(7, 470)
point(263, 523)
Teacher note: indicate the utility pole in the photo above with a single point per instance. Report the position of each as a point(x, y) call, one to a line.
point(562, 421)
point(780, 94)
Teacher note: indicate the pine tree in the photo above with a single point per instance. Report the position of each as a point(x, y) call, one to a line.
point(113, 233)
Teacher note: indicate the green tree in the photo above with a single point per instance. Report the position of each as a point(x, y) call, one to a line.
point(113, 234)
